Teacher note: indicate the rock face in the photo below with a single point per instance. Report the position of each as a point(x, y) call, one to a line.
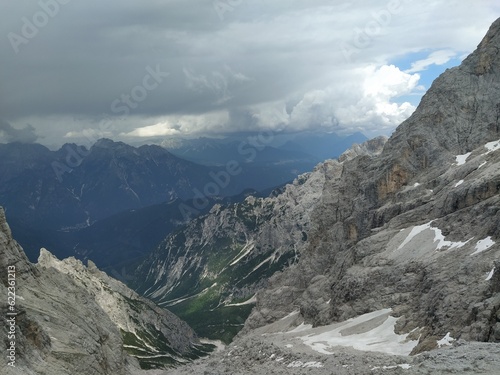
point(208, 271)
point(75, 319)
point(415, 229)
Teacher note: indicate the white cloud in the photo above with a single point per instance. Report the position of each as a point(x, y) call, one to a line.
point(435, 58)
point(156, 130)
point(376, 110)
point(180, 125)
point(388, 81)
point(90, 133)
point(365, 102)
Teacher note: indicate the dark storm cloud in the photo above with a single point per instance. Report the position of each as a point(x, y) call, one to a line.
point(67, 64)
point(10, 134)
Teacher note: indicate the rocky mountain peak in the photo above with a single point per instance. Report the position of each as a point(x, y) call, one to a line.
point(459, 112)
point(395, 252)
point(108, 143)
point(4, 227)
point(12, 254)
point(486, 59)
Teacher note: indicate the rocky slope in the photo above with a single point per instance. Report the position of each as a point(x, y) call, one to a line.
point(75, 319)
point(209, 271)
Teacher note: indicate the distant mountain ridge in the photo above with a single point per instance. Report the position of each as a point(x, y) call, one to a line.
point(52, 197)
point(74, 187)
point(303, 147)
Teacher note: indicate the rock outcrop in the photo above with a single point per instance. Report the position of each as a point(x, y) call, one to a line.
point(75, 319)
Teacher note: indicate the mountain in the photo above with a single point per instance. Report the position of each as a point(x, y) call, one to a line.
point(51, 196)
point(54, 197)
point(213, 266)
point(302, 147)
point(118, 243)
point(69, 318)
point(393, 252)
point(385, 260)
point(73, 187)
point(217, 151)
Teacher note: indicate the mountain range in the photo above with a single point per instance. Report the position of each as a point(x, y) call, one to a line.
point(386, 259)
point(65, 199)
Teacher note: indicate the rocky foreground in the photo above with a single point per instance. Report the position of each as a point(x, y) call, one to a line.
point(364, 345)
point(257, 355)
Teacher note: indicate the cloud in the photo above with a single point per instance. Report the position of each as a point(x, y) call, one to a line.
point(10, 134)
point(367, 101)
point(160, 129)
point(217, 82)
point(378, 109)
point(435, 58)
point(180, 125)
point(265, 65)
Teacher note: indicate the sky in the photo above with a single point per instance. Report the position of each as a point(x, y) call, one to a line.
point(137, 71)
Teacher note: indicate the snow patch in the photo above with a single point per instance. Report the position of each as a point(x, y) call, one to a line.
point(243, 253)
point(416, 230)
point(483, 245)
point(301, 328)
point(293, 313)
point(305, 364)
point(490, 275)
point(459, 183)
point(446, 340)
point(438, 237)
point(404, 366)
point(482, 164)
point(492, 146)
point(461, 159)
point(380, 338)
point(253, 299)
